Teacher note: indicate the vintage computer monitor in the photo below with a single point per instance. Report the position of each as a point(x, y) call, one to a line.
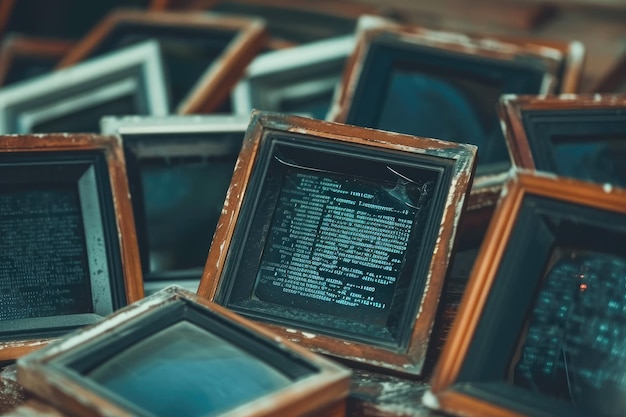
point(23, 57)
point(576, 136)
point(128, 81)
point(540, 328)
point(179, 169)
point(68, 250)
point(444, 85)
point(298, 80)
point(177, 354)
point(339, 237)
point(204, 54)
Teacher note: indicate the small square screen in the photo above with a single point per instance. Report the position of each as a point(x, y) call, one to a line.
point(186, 371)
point(574, 347)
point(591, 158)
point(336, 245)
point(183, 199)
point(43, 256)
point(447, 106)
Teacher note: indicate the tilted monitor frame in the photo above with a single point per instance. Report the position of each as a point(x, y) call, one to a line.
point(317, 386)
point(217, 81)
point(171, 137)
point(537, 215)
point(135, 71)
point(534, 123)
point(95, 166)
point(296, 73)
point(433, 176)
point(383, 44)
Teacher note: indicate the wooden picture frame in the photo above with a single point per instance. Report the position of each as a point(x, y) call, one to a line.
point(179, 169)
point(375, 313)
point(577, 136)
point(466, 72)
point(74, 218)
point(214, 49)
point(538, 258)
point(298, 80)
point(23, 57)
point(614, 81)
point(253, 372)
point(129, 81)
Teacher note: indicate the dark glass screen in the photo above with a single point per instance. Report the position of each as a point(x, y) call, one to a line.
point(43, 255)
point(186, 371)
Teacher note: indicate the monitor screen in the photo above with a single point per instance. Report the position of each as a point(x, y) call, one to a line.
point(591, 157)
point(185, 370)
point(183, 199)
point(88, 118)
point(445, 104)
point(337, 238)
point(336, 245)
point(574, 345)
point(43, 252)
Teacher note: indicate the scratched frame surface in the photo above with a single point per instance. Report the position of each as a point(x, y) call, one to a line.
point(473, 376)
point(122, 255)
point(406, 353)
point(592, 128)
point(318, 387)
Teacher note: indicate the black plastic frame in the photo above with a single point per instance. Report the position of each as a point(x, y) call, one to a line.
point(42, 168)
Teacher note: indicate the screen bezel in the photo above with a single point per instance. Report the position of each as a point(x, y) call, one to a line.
point(134, 71)
point(503, 286)
point(311, 69)
point(317, 382)
point(532, 121)
point(386, 53)
point(94, 165)
point(182, 135)
point(359, 143)
point(88, 174)
point(238, 274)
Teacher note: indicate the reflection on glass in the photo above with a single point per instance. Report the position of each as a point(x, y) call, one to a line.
point(448, 107)
point(183, 200)
point(185, 371)
point(591, 158)
point(574, 348)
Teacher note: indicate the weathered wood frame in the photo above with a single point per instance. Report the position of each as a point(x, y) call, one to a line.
point(511, 111)
point(448, 392)
point(486, 188)
point(112, 149)
point(45, 373)
point(269, 77)
point(216, 83)
point(211, 126)
point(408, 359)
point(18, 46)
